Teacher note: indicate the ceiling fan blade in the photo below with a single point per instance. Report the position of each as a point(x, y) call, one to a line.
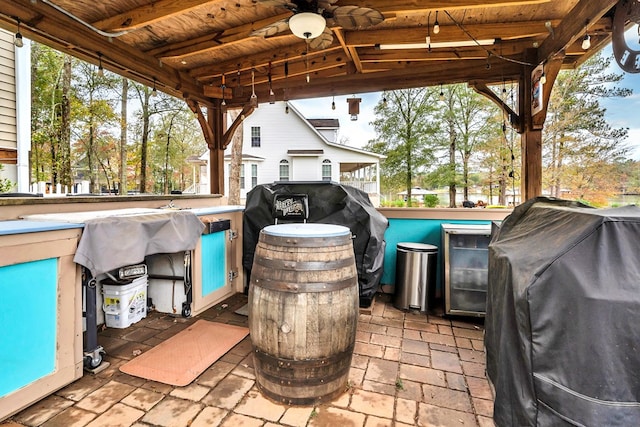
point(324, 4)
point(278, 3)
point(271, 29)
point(355, 17)
point(323, 41)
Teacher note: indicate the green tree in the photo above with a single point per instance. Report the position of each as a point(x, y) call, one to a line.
point(5, 183)
point(404, 133)
point(470, 124)
point(171, 142)
point(579, 146)
point(498, 156)
point(48, 108)
point(95, 118)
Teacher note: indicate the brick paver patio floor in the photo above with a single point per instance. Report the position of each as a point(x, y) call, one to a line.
point(408, 369)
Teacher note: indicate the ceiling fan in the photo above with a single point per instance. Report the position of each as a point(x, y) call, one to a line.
point(627, 12)
point(311, 20)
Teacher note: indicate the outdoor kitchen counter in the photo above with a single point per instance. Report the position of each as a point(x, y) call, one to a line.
point(41, 310)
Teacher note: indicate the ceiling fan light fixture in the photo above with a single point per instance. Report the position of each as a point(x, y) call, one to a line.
point(307, 25)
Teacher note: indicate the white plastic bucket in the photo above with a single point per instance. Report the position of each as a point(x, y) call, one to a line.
point(125, 305)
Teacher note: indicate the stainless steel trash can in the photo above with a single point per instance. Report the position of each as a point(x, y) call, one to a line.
point(416, 265)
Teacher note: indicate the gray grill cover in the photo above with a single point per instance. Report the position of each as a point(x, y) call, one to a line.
point(563, 314)
point(116, 241)
point(329, 203)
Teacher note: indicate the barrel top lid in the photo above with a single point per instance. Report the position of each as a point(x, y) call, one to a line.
point(306, 230)
point(420, 247)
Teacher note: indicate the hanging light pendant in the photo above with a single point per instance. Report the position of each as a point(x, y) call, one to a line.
point(284, 92)
point(272, 95)
point(18, 42)
point(223, 87)
point(100, 69)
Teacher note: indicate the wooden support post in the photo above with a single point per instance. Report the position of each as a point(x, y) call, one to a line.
point(216, 152)
point(531, 171)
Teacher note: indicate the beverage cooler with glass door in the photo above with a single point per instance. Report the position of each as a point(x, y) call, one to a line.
point(466, 261)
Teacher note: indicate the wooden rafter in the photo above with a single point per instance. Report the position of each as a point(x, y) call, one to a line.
point(400, 6)
point(573, 27)
point(149, 14)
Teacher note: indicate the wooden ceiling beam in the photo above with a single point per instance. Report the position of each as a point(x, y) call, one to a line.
point(448, 33)
point(403, 6)
point(149, 14)
point(210, 42)
point(345, 84)
point(573, 27)
point(43, 23)
point(276, 57)
point(370, 55)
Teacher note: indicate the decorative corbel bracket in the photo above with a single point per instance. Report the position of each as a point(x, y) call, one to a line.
point(514, 119)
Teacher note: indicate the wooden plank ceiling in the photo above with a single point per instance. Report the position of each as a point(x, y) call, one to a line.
point(188, 48)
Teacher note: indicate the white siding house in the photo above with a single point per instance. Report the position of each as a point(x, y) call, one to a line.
point(15, 111)
point(280, 146)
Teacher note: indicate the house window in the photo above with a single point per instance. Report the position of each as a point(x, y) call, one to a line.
point(326, 170)
point(284, 170)
point(254, 175)
point(242, 177)
point(255, 136)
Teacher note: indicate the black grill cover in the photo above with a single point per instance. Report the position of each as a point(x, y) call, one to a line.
point(329, 203)
point(563, 316)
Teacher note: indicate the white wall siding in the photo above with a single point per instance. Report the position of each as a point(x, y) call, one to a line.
point(8, 128)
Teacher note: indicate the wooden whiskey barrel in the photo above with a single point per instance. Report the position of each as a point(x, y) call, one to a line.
point(303, 311)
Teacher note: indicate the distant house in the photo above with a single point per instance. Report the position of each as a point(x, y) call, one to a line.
point(281, 146)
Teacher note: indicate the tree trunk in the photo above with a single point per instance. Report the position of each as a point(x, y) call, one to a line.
point(65, 126)
point(465, 174)
point(123, 136)
point(144, 142)
point(452, 165)
point(236, 161)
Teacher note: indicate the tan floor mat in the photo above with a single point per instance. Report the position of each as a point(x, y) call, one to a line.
point(181, 358)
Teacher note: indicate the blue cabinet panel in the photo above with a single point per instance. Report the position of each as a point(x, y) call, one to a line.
point(28, 308)
point(418, 231)
point(214, 266)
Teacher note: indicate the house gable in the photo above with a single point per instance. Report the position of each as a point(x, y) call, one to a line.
point(289, 142)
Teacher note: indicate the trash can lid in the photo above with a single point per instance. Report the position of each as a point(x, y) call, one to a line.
point(419, 247)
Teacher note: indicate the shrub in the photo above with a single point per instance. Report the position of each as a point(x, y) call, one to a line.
point(431, 200)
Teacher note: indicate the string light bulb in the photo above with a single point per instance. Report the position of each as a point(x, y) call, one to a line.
point(154, 92)
point(100, 69)
point(441, 94)
point(223, 86)
point(333, 103)
point(543, 78)
point(272, 95)
point(253, 85)
point(586, 42)
point(436, 25)
point(18, 42)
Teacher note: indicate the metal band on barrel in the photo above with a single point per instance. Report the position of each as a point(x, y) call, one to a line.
point(273, 285)
point(280, 264)
point(290, 366)
point(305, 242)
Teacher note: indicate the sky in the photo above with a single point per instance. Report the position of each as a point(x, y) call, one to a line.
point(620, 112)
